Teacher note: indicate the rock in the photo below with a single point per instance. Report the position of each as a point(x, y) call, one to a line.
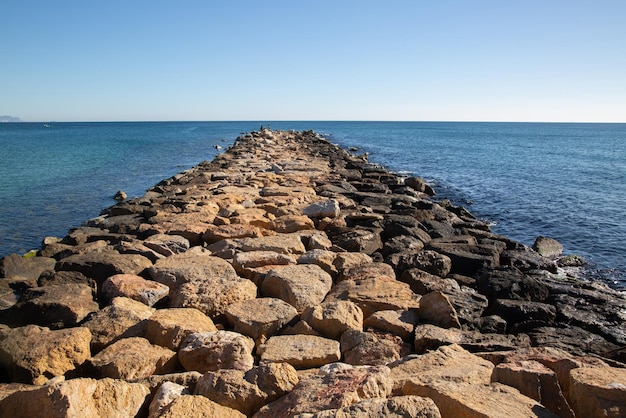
point(358, 240)
point(322, 258)
point(335, 386)
point(132, 358)
point(123, 318)
point(287, 224)
point(325, 209)
point(536, 381)
point(246, 262)
point(319, 242)
point(165, 395)
point(331, 319)
point(547, 247)
point(598, 392)
point(572, 339)
point(196, 406)
point(134, 287)
point(435, 308)
point(345, 261)
point(395, 407)
point(55, 306)
point(215, 233)
point(210, 351)
point(169, 327)
point(283, 243)
point(101, 265)
point(527, 260)
point(467, 258)
point(260, 317)
point(510, 284)
point(369, 271)
point(248, 391)
point(373, 295)
point(397, 322)
point(120, 196)
point(187, 267)
point(27, 268)
point(167, 245)
point(301, 351)
point(300, 285)
point(524, 312)
point(78, 398)
point(33, 354)
point(458, 382)
point(427, 260)
point(419, 185)
point(430, 337)
point(369, 348)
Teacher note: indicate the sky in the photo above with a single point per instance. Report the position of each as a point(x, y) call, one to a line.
point(444, 60)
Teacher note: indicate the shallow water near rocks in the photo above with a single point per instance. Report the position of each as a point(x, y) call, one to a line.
point(565, 181)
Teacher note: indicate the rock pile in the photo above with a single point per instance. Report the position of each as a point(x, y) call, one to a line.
point(290, 278)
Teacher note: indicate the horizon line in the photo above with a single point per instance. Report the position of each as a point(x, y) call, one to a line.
point(307, 120)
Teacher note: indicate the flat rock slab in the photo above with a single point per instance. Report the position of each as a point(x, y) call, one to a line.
point(376, 294)
point(123, 318)
point(301, 285)
point(133, 358)
point(197, 406)
point(301, 351)
point(80, 397)
point(134, 287)
point(169, 327)
point(598, 392)
point(260, 317)
point(211, 351)
point(55, 306)
point(281, 243)
point(394, 407)
point(101, 265)
point(335, 386)
point(33, 354)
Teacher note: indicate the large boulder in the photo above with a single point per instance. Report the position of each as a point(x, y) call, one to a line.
point(331, 319)
point(196, 406)
point(335, 386)
point(301, 285)
point(430, 337)
point(132, 358)
point(598, 392)
point(78, 398)
point(26, 268)
point(134, 287)
point(260, 317)
point(394, 407)
point(101, 265)
point(123, 318)
point(370, 348)
point(301, 351)
point(169, 327)
point(34, 354)
point(55, 306)
point(211, 351)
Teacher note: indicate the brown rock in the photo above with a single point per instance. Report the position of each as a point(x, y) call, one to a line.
point(260, 317)
point(547, 247)
point(216, 233)
point(210, 351)
point(56, 306)
point(368, 271)
point(123, 318)
point(78, 398)
point(169, 327)
point(282, 243)
point(430, 337)
point(132, 358)
point(536, 381)
point(322, 258)
point(335, 386)
point(345, 261)
point(27, 268)
point(373, 295)
point(33, 354)
point(598, 392)
point(369, 348)
point(167, 245)
point(331, 319)
point(292, 223)
point(398, 322)
point(100, 265)
point(196, 406)
point(395, 407)
point(166, 393)
point(325, 209)
point(245, 263)
point(134, 287)
point(435, 308)
point(300, 285)
point(301, 351)
point(358, 240)
point(190, 266)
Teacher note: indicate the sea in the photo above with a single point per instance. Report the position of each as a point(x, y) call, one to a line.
point(566, 181)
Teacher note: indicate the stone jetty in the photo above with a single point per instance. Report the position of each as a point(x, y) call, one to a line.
point(291, 278)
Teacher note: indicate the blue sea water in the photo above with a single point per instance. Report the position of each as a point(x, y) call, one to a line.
point(566, 181)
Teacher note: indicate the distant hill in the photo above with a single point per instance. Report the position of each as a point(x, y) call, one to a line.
point(10, 119)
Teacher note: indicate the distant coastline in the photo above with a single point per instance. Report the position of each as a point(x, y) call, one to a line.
point(10, 119)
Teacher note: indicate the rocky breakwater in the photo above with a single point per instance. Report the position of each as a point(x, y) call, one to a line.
point(290, 278)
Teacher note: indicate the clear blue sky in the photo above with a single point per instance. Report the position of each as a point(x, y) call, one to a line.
point(500, 60)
